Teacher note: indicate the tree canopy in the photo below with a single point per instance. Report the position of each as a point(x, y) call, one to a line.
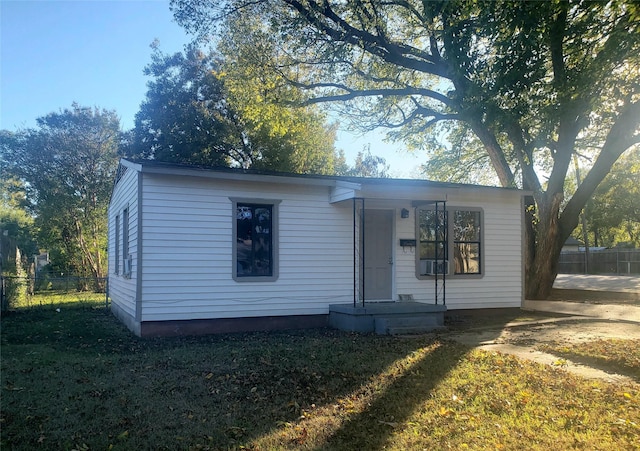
point(532, 82)
point(205, 108)
point(613, 214)
point(67, 164)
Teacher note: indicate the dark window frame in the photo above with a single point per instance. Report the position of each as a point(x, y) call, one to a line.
point(116, 265)
point(451, 244)
point(125, 241)
point(273, 235)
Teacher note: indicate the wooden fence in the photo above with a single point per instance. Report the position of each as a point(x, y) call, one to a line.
point(608, 261)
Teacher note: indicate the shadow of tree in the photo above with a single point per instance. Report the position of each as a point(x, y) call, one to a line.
point(372, 428)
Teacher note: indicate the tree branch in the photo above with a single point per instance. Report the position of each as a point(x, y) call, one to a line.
point(624, 134)
point(399, 54)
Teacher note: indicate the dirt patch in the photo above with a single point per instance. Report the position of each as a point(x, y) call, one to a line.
point(465, 320)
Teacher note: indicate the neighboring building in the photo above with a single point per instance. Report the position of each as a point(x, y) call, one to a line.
point(196, 250)
point(572, 245)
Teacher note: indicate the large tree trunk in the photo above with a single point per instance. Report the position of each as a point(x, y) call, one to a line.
point(549, 237)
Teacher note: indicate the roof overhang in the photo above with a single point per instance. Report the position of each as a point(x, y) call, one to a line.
point(340, 188)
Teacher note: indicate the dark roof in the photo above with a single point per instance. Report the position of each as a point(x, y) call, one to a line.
point(571, 241)
point(362, 180)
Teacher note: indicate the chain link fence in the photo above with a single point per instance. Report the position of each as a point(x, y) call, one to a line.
point(51, 290)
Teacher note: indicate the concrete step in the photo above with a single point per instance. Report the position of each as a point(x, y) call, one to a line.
point(413, 330)
point(395, 325)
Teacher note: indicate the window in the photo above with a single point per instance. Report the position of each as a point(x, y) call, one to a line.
point(462, 241)
point(125, 243)
point(466, 242)
point(255, 241)
point(117, 246)
point(432, 228)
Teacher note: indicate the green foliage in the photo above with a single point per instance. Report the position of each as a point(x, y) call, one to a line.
point(210, 110)
point(67, 166)
point(185, 117)
point(285, 137)
point(613, 214)
point(368, 165)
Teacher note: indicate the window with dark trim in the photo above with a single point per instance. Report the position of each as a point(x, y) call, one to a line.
point(467, 242)
point(255, 241)
point(125, 243)
point(116, 269)
point(457, 252)
point(432, 245)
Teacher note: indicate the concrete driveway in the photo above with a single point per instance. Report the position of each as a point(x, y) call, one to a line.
point(613, 283)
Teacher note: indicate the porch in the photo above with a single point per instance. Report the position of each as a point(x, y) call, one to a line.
point(388, 318)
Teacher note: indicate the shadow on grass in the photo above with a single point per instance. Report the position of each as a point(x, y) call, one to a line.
point(219, 391)
point(372, 428)
point(608, 366)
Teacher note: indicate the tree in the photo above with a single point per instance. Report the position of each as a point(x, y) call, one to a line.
point(68, 163)
point(185, 117)
point(288, 137)
point(368, 165)
point(203, 108)
point(16, 225)
point(533, 82)
point(613, 214)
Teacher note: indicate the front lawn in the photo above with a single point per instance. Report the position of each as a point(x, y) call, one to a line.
point(77, 379)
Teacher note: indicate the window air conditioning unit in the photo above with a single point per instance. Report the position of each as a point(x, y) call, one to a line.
point(433, 267)
point(127, 267)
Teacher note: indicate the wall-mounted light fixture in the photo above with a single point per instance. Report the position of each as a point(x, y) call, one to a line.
point(404, 213)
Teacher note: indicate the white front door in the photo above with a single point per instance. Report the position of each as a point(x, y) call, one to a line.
point(378, 254)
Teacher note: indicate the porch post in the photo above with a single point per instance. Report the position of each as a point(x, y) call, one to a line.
point(362, 250)
point(355, 251)
point(358, 252)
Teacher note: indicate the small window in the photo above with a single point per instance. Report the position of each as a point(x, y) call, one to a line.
point(255, 240)
point(116, 269)
point(467, 242)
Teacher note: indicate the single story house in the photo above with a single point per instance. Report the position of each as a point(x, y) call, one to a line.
point(201, 250)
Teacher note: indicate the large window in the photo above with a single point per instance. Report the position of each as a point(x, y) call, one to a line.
point(255, 240)
point(449, 241)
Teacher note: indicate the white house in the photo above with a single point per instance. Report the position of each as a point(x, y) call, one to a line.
point(195, 250)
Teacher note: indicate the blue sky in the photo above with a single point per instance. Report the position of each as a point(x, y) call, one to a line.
point(54, 52)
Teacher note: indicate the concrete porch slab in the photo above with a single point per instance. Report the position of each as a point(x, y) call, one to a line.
point(387, 317)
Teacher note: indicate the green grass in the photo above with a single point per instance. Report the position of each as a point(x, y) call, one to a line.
point(620, 356)
point(77, 379)
point(59, 298)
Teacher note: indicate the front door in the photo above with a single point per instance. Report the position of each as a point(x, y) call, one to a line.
point(378, 254)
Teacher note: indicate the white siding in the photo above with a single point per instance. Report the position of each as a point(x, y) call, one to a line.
point(122, 290)
point(501, 283)
point(187, 233)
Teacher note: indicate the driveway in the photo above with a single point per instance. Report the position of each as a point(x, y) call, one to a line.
point(588, 282)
